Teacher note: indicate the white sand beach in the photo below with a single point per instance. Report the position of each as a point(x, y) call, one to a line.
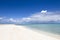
point(15, 32)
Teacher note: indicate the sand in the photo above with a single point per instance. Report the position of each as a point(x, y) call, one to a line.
point(15, 32)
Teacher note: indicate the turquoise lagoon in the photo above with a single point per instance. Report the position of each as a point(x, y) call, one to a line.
point(52, 28)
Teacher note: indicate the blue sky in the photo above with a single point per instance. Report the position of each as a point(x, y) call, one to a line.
point(20, 9)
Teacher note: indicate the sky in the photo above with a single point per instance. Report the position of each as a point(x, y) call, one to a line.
point(27, 11)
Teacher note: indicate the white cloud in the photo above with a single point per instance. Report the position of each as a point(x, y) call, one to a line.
point(12, 20)
point(44, 11)
point(42, 17)
point(7, 20)
point(1, 18)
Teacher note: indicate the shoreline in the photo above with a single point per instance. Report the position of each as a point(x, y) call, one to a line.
point(37, 30)
point(47, 33)
point(17, 32)
point(57, 36)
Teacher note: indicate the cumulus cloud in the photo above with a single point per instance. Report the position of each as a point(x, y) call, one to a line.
point(44, 11)
point(42, 17)
point(12, 20)
point(7, 20)
point(1, 18)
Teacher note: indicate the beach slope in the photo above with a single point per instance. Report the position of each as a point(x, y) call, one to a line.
point(15, 32)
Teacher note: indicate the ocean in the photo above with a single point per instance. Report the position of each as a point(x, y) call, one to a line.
point(52, 28)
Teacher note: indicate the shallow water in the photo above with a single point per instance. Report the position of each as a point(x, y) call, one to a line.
point(52, 28)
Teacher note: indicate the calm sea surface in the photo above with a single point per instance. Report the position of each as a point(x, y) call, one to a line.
point(53, 28)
